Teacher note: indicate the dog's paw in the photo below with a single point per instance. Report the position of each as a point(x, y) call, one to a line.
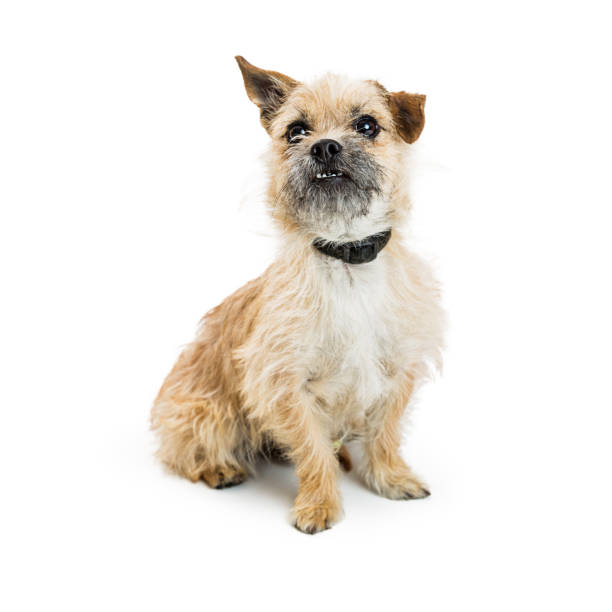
point(224, 477)
point(411, 488)
point(399, 486)
point(312, 519)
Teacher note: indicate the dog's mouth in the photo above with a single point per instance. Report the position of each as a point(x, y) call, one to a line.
point(341, 187)
point(331, 175)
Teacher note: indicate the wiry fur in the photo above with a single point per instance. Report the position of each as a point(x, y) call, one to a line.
point(314, 351)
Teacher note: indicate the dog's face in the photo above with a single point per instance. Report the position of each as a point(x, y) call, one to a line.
point(337, 150)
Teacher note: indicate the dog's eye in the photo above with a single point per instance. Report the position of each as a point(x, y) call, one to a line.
point(296, 131)
point(367, 126)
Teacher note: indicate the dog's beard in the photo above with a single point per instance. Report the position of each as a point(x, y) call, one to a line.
point(345, 197)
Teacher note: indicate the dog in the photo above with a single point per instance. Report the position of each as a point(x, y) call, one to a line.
point(329, 344)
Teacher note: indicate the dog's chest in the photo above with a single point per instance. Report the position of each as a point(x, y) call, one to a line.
point(352, 346)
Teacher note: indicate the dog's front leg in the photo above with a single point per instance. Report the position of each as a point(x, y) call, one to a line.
point(299, 427)
point(385, 470)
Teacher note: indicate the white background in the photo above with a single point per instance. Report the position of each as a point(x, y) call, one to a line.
point(130, 193)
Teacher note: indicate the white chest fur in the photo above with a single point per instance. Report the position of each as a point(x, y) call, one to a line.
point(344, 334)
point(354, 335)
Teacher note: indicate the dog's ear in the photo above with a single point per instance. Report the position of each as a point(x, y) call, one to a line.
point(267, 89)
point(408, 114)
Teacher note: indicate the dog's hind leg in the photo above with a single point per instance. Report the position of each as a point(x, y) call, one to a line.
point(201, 440)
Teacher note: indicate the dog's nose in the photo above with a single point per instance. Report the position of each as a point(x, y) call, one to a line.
point(325, 150)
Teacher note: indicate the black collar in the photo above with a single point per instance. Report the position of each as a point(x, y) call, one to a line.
point(358, 252)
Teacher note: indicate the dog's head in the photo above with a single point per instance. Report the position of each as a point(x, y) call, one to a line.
point(337, 150)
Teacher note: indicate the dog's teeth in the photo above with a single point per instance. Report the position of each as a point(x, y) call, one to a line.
point(323, 175)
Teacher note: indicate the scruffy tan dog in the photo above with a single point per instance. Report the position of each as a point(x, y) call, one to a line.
point(330, 342)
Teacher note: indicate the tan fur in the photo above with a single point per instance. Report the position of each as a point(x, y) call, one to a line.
point(314, 352)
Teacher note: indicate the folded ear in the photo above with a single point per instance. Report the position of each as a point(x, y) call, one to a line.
point(408, 114)
point(267, 89)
